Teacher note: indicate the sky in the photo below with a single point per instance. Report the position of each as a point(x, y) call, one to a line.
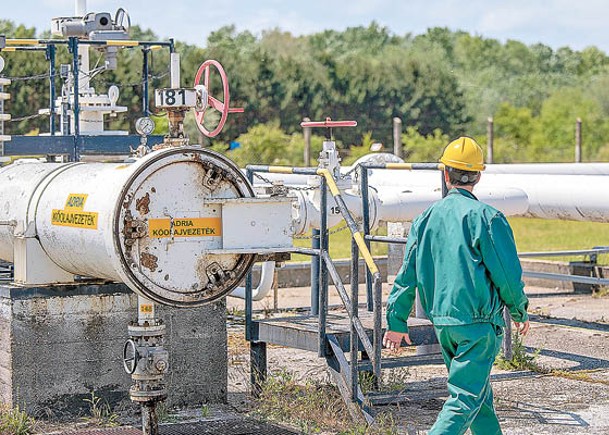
point(557, 23)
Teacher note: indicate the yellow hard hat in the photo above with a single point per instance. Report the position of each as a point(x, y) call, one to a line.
point(463, 153)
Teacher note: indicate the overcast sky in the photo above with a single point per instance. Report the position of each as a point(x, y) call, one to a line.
point(557, 23)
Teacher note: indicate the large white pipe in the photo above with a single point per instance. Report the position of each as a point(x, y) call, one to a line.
point(267, 273)
point(549, 168)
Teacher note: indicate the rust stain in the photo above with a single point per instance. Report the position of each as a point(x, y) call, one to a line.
point(149, 261)
point(142, 204)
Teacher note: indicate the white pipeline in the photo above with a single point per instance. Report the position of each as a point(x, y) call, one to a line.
point(267, 274)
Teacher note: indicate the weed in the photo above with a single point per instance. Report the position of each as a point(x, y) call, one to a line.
point(601, 292)
point(15, 422)
point(100, 412)
point(312, 407)
point(205, 412)
point(521, 360)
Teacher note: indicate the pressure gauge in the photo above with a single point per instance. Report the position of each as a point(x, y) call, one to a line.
point(144, 126)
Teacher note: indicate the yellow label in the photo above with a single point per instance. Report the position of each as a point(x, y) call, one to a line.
point(77, 219)
point(184, 227)
point(76, 201)
point(146, 308)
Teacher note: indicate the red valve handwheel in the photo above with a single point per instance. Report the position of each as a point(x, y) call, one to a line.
point(221, 106)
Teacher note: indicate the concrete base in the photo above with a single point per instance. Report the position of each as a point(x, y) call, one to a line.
point(58, 344)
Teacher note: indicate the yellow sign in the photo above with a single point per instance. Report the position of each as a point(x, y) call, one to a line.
point(184, 227)
point(77, 219)
point(146, 308)
point(76, 201)
point(73, 215)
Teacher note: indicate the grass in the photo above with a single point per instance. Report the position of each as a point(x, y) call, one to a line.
point(13, 421)
point(530, 235)
point(100, 413)
point(520, 360)
point(312, 407)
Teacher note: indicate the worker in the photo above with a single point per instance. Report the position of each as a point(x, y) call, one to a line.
point(462, 258)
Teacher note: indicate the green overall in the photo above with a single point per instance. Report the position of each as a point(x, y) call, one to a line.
point(462, 258)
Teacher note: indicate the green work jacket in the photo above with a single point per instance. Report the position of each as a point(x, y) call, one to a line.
point(462, 257)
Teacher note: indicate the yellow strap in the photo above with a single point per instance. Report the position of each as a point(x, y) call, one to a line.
point(23, 42)
point(330, 180)
point(281, 169)
point(359, 239)
point(399, 166)
point(119, 43)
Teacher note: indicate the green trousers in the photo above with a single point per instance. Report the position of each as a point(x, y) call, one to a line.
point(469, 352)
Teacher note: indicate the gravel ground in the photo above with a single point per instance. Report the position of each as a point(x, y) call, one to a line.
point(570, 335)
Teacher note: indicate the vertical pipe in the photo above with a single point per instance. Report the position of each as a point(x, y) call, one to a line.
point(306, 131)
point(323, 270)
point(52, 93)
point(354, 340)
point(366, 230)
point(397, 137)
point(76, 105)
point(578, 140)
point(150, 421)
point(145, 77)
point(248, 284)
point(315, 262)
point(490, 137)
point(444, 186)
point(175, 70)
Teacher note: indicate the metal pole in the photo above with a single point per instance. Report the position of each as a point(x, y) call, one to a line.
point(52, 94)
point(578, 140)
point(248, 285)
point(315, 262)
point(145, 77)
point(306, 131)
point(366, 230)
point(397, 137)
point(490, 136)
point(354, 339)
point(507, 336)
point(76, 106)
point(323, 270)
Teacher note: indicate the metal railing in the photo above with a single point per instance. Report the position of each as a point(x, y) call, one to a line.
point(326, 266)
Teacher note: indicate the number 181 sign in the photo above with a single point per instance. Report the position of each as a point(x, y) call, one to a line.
point(175, 97)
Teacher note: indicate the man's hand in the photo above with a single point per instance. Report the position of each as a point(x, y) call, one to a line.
point(522, 328)
point(393, 340)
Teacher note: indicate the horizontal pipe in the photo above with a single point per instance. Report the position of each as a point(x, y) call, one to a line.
point(569, 278)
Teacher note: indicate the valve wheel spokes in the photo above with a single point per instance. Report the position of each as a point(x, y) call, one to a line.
point(223, 107)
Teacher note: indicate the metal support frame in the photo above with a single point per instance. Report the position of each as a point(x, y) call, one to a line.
point(323, 270)
point(50, 55)
point(73, 47)
point(145, 78)
point(315, 263)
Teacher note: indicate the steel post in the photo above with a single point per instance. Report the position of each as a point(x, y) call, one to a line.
point(315, 262)
point(248, 285)
point(323, 270)
point(366, 230)
point(258, 372)
point(507, 336)
point(354, 340)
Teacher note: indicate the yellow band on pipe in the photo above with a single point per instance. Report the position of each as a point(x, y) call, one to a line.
point(155, 47)
point(281, 169)
point(441, 167)
point(398, 166)
point(9, 49)
point(359, 239)
point(119, 43)
point(23, 42)
point(330, 180)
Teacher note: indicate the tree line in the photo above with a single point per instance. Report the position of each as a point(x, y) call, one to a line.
point(441, 83)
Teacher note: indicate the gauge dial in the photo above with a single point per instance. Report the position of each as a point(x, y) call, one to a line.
point(144, 126)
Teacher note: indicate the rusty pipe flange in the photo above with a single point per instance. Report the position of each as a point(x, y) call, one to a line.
point(166, 224)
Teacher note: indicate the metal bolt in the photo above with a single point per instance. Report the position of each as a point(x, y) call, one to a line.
point(161, 365)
